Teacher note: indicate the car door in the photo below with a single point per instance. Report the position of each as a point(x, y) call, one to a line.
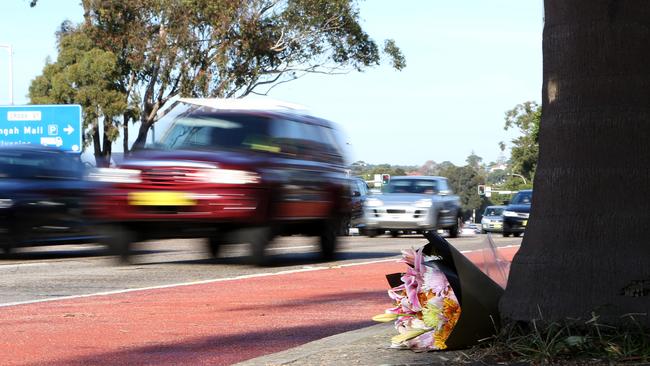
point(359, 194)
point(302, 189)
point(450, 208)
point(50, 197)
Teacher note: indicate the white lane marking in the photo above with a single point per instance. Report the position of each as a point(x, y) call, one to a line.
point(478, 250)
point(292, 248)
point(257, 275)
point(106, 293)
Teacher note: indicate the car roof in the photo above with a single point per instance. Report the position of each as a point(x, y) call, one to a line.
point(417, 177)
point(274, 114)
point(496, 206)
point(30, 148)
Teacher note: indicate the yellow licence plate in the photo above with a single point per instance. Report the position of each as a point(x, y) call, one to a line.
point(162, 198)
point(524, 223)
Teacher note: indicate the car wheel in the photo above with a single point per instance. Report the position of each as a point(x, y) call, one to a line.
point(371, 233)
point(118, 240)
point(345, 228)
point(394, 233)
point(7, 243)
point(214, 244)
point(483, 232)
point(258, 238)
point(506, 234)
point(6, 247)
point(516, 235)
point(455, 230)
point(328, 239)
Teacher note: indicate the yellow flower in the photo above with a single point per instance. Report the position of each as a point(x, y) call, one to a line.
point(439, 343)
point(407, 335)
point(384, 318)
point(451, 310)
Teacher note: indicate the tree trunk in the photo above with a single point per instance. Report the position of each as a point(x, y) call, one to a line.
point(100, 161)
point(107, 146)
point(587, 248)
point(125, 134)
point(141, 139)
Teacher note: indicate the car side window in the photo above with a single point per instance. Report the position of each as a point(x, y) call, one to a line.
point(287, 134)
point(331, 144)
point(317, 145)
point(361, 187)
point(443, 186)
point(365, 187)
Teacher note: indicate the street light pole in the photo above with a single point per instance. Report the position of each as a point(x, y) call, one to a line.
point(11, 72)
point(519, 175)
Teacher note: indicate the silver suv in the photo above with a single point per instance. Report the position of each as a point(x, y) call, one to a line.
point(414, 203)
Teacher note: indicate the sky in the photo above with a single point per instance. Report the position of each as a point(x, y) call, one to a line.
point(468, 62)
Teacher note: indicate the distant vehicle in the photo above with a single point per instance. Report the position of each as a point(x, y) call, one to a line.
point(516, 214)
point(414, 203)
point(43, 198)
point(232, 172)
point(359, 192)
point(492, 220)
point(476, 228)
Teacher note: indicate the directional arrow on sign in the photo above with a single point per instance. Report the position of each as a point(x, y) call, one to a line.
point(69, 130)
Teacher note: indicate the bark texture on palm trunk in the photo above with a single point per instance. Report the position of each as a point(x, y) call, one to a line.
point(587, 247)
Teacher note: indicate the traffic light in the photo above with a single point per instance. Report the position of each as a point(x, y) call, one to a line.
point(481, 190)
point(385, 178)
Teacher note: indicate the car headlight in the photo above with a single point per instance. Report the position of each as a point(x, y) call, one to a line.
point(424, 203)
point(6, 203)
point(115, 175)
point(373, 202)
point(229, 176)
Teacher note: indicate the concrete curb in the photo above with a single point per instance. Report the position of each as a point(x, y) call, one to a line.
point(366, 346)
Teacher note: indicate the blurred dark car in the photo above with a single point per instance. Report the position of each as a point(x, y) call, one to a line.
point(359, 191)
point(516, 214)
point(234, 175)
point(43, 195)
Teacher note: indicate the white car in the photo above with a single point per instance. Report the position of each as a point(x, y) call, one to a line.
point(413, 203)
point(492, 220)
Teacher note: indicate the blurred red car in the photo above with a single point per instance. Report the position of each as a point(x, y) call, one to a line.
point(233, 176)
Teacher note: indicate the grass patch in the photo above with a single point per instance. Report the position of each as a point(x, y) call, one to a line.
point(569, 342)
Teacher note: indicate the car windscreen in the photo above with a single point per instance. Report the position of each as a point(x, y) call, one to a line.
point(493, 211)
point(522, 198)
point(210, 132)
point(420, 186)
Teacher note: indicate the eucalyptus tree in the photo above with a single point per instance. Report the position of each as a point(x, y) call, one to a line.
point(226, 48)
point(83, 74)
point(523, 155)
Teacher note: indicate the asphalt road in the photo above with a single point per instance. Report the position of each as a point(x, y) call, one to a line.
point(42, 273)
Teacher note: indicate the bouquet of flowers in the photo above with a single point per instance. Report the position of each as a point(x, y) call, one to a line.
point(426, 308)
point(428, 298)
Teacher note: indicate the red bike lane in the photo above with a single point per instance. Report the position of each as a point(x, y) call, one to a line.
point(214, 323)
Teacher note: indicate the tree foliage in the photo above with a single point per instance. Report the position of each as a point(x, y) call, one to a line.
point(525, 149)
point(464, 181)
point(83, 74)
point(225, 48)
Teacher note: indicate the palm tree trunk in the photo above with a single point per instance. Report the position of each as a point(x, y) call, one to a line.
point(587, 247)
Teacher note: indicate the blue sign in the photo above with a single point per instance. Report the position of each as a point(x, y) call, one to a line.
point(48, 125)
